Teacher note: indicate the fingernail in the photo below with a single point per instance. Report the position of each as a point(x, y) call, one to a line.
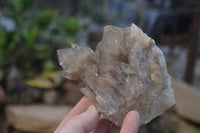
point(92, 109)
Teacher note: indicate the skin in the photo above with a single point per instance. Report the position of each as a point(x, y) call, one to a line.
point(84, 118)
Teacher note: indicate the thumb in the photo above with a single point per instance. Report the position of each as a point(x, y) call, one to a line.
point(131, 122)
point(82, 123)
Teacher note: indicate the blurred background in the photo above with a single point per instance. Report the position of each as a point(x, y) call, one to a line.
point(34, 96)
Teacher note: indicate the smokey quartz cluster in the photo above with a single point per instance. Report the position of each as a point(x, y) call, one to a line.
point(127, 71)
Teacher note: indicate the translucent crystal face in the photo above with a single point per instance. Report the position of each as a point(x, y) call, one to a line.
point(126, 72)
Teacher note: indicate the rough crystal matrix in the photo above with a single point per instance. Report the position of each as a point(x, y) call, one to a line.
point(126, 72)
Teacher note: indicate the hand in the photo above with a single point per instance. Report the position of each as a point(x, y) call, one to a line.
point(84, 118)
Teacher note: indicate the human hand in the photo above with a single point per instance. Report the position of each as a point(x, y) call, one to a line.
point(84, 118)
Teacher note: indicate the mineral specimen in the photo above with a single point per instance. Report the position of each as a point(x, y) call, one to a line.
point(127, 71)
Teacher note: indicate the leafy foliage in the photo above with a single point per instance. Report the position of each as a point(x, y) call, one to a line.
point(46, 17)
point(71, 26)
point(32, 44)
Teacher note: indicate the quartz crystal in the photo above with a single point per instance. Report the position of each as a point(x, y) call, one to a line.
point(127, 71)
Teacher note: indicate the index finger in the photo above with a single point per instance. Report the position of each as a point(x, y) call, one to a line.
point(80, 107)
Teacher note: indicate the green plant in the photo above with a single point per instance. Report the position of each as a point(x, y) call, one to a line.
point(32, 45)
point(71, 26)
point(46, 17)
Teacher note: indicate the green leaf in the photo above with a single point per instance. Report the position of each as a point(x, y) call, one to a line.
point(46, 17)
point(30, 35)
point(71, 26)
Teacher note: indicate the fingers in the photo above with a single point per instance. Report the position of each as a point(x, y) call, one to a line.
point(131, 123)
point(114, 129)
point(82, 123)
point(102, 126)
point(106, 126)
point(78, 122)
point(80, 107)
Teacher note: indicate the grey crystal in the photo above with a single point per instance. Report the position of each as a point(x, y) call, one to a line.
point(127, 71)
